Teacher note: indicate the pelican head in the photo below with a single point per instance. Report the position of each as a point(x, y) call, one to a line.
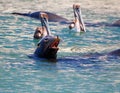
point(78, 23)
point(44, 29)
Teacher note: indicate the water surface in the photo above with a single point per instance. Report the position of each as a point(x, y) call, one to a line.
point(73, 72)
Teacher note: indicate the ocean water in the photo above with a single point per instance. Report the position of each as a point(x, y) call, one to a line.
point(80, 68)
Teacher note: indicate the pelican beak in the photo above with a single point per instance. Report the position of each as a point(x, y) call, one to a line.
point(78, 18)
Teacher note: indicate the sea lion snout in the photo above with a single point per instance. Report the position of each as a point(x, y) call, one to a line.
point(48, 47)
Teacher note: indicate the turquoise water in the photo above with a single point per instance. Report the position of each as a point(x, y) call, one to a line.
point(73, 72)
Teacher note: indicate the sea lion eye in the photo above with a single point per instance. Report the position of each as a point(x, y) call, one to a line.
point(38, 44)
point(46, 40)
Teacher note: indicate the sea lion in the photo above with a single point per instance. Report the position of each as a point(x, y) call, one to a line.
point(52, 17)
point(115, 52)
point(98, 24)
point(117, 23)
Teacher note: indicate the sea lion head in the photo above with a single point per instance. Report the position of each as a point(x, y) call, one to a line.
point(48, 47)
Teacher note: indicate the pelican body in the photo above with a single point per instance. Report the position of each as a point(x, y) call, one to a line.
point(40, 32)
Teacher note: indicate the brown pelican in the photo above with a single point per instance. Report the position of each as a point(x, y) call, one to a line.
point(42, 31)
point(78, 23)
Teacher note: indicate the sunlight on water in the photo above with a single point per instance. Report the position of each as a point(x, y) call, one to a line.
point(82, 65)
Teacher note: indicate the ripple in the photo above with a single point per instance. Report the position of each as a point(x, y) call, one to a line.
point(76, 70)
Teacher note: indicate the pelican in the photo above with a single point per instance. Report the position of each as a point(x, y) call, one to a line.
point(77, 24)
point(44, 29)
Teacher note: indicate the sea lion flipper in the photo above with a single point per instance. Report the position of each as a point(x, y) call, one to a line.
point(23, 14)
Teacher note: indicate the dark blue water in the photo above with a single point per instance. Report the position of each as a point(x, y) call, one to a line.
point(82, 66)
